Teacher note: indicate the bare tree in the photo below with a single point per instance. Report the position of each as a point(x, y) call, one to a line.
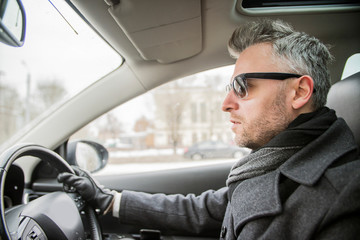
point(171, 100)
point(174, 111)
point(113, 126)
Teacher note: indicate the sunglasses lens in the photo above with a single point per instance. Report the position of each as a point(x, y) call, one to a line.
point(228, 88)
point(240, 87)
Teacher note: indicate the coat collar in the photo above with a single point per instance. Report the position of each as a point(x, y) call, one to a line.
point(309, 164)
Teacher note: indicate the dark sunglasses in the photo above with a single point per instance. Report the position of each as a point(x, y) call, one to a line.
point(239, 83)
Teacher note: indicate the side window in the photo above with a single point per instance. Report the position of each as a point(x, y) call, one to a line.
point(159, 129)
point(352, 66)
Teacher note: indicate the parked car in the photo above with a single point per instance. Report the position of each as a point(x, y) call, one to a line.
point(214, 149)
point(74, 73)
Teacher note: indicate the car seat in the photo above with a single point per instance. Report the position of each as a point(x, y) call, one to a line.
point(344, 98)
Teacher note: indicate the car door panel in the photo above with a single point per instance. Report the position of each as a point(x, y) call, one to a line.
point(186, 180)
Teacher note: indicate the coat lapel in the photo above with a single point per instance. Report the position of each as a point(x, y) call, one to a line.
point(256, 197)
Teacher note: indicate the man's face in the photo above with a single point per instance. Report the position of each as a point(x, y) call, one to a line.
point(266, 111)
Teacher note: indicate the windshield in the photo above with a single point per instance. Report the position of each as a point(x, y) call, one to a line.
point(61, 56)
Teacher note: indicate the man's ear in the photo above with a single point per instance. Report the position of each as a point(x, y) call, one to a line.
point(304, 87)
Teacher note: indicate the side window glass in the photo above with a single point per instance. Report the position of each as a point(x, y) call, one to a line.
point(352, 66)
point(168, 127)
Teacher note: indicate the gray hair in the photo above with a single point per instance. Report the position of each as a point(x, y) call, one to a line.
point(301, 53)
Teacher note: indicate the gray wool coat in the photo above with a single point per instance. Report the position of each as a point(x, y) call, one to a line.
point(315, 194)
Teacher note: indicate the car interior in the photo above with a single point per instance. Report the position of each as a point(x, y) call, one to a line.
point(159, 41)
point(348, 91)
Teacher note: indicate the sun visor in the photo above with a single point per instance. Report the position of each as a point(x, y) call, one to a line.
point(162, 30)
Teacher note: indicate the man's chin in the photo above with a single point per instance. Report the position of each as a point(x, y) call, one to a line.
point(240, 141)
point(244, 142)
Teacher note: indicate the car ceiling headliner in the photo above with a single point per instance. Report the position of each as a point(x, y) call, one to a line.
point(132, 29)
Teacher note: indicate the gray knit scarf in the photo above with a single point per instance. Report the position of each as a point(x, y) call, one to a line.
point(300, 132)
point(260, 162)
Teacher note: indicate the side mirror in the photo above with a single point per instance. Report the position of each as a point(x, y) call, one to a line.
point(88, 155)
point(12, 22)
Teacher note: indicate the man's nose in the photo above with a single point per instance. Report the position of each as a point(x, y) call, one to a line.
point(231, 102)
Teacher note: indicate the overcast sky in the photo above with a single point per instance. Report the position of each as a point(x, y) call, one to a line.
point(53, 50)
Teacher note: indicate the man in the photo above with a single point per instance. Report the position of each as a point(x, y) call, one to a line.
point(301, 180)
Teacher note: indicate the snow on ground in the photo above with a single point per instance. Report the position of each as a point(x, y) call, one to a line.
point(148, 167)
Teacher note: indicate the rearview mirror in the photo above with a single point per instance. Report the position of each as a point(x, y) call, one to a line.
point(12, 22)
point(88, 155)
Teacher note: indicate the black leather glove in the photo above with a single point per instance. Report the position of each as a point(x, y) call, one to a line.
point(92, 192)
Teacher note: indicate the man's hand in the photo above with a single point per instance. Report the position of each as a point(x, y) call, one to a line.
point(97, 196)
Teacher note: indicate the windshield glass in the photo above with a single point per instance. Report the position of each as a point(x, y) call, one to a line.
point(61, 56)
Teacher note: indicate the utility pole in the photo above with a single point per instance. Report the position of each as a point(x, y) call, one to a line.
point(27, 96)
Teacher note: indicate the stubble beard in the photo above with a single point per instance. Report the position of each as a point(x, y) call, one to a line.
point(260, 131)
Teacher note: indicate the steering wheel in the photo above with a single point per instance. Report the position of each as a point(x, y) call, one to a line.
point(53, 216)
